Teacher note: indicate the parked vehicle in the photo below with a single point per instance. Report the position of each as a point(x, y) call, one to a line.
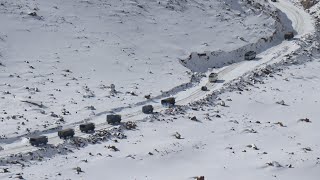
point(288, 35)
point(274, 0)
point(113, 118)
point(148, 109)
point(168, 102)
point(213, 77)
point(250, 55)
point(39, 140)
point(66, 133)
point(87, 127)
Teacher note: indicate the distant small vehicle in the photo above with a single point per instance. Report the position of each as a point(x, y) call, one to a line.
point(87, 127)
point(250, 55)
point(66, 133)
point(168, 102)
point(113, 119)
point(148, 109)
point(213, 77)
point(288, 35)
point(274, 0)
point(39, 140)
point(204, 88)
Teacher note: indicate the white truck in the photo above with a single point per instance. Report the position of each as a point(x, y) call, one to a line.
point(213, 77)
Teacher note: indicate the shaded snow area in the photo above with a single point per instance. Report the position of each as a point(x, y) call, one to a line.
point(65, 54)
point(64, 63)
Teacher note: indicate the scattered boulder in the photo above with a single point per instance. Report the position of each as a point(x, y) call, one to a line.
point(5, 170)
point(274, 164)
point(130, 125)
point(177, 135)
point(194, 118)
point(282, 103)
point(19, 177)
point(114, 148)
point(253, 146)
point(305, 120)
point(113, 89)
point(200, 178)
point(32, 14)
point(280, 124)
point(250, 131)
point(78, 170)
point(307, 149)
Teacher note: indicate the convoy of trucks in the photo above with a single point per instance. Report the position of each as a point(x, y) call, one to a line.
point(147, 109)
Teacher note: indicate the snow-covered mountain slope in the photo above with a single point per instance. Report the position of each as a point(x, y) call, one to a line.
point(248, 132)
point(267, 130)
point(67, 55)
point(88, 95)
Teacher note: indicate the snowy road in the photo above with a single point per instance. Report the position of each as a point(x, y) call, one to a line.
point(301, 22)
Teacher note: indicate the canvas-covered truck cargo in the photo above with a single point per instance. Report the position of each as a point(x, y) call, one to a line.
point(66, 133)
point(250, 55)
point(39, 140)
point(148, 109)
point(213, 77)
point(113, 119)
point(288, 35)
point(87, 127)
point(168, 102)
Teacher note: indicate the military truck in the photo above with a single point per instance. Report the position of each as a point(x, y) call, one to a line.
point(288, 35)
point(168, 102)
point(66, 133)
point(39, 140)
point(87, 127)
point(148, 109)
point(250, 55)
point(213, 77)
point(113, 119)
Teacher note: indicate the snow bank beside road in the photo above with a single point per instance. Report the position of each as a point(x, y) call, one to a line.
point(200, 62)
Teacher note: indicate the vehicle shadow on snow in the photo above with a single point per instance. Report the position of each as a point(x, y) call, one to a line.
point(256, 59)
point(219, 81)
